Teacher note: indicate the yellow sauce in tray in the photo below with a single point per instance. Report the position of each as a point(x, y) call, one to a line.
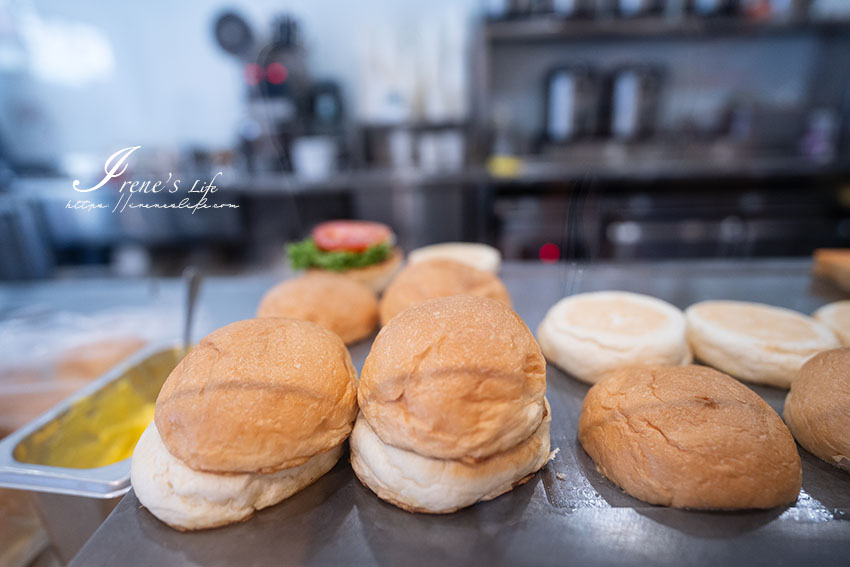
point(102, 428)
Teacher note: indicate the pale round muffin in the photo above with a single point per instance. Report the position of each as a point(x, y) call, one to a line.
point(588, 335)
point(755, 342)
point(479, 256)
point(836, 316)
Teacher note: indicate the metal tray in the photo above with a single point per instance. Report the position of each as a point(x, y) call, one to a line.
point(25, 453)
point(567, 514)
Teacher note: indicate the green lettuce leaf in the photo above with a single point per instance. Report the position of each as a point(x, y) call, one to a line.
point(305, 254)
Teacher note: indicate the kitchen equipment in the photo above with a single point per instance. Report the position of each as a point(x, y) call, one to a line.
point(497, 9)
point(521, 8)
point(233, 34)
point(314, 157)
point(325, 108)
point(192, 277)
point(572, 8)
point(637, 8)
point(713, 7)
point(571, 103)
point(631, 101)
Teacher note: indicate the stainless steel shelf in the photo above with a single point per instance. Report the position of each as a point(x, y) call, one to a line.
point(543, 29)
point(645, 168)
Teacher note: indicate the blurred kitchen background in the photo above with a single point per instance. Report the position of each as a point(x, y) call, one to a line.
point(552, 129)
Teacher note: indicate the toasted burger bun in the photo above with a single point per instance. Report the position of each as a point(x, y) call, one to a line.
point(479, 256)
point(755, 342)
point(423, 484)
point(833, 264)
point(454, 378)
point(816, 409)
point(438, 278)
point(590, 334)
point(335, 302)
point(377, 276)
point(187, 499)
point(259, 395)
point(689, 437)
point(836, 316)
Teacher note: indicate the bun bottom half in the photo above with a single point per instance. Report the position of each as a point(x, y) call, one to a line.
point(377, 276)
point(437, 486)
point(187, 499)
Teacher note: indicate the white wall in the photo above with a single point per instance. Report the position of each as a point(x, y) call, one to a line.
point(170, 85)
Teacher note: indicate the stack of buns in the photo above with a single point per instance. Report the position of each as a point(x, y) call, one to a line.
point(257, 411)
point(438, 278)
point(755, 342)
point(334, 301)
point(817, 408)
point(591, 334)
point(689, 437)
point(452, 406)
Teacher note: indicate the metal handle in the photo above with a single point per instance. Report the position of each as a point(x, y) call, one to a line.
point(193, 279)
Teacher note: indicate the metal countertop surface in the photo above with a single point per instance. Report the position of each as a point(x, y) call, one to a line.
point(567, 514)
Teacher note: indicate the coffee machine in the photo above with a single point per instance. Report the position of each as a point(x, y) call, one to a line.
point(284, 104)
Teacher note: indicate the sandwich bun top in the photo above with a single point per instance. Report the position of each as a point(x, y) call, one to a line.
point(258, 395)
point(689, 437)
point(438, 278)
point(816, 409)
point(337, 303)
point(457, 377)
point(480, 256)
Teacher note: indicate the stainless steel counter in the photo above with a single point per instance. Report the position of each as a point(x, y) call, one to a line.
point(567, 514)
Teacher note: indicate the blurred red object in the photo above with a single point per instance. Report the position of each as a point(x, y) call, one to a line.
point(549, 253)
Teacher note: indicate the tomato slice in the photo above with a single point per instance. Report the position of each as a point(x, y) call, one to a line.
point(353, 236)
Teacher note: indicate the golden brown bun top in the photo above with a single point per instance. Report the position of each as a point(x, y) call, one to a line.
point(337, 303)
point(454, 378)
point(438, 278)
point(691, 437)
point(257, 396)
point(833, 255)
point(816, 408)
